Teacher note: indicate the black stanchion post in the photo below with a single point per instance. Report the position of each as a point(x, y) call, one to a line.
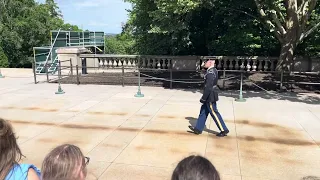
point(171, 76)
point(224, 77)
point(77, 68)
point(46, 70)
point(281, 80)
point(122, 75)
point(34, 73)
point(71, 67)
point(84, 66)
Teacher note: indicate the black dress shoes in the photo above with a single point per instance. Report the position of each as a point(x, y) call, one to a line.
point(223, 133)
point(195, 131)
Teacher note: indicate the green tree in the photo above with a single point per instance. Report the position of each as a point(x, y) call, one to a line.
point(119, 44)
point(289, 20)
point(199, 27)
point(25, 24)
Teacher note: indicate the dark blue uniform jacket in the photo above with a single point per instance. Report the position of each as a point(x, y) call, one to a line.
point(210, 92)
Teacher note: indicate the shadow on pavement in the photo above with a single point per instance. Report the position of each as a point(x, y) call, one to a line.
point(193, 122)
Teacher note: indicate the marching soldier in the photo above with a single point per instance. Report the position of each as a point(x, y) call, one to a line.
point(209, 102)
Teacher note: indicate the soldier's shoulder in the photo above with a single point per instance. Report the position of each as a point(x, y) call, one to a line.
point(212, 71)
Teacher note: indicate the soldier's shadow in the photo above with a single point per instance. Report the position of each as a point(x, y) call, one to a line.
point(193, 122)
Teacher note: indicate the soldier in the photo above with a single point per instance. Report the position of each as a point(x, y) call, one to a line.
point(209, 102)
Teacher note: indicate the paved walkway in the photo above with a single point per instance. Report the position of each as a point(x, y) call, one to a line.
point(144, 138)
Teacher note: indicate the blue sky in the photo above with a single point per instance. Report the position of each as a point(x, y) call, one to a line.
point(95, 15)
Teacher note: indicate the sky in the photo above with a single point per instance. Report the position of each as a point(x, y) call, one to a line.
point(94, 15)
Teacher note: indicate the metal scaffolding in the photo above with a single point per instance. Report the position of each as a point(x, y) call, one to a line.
point(92, 40)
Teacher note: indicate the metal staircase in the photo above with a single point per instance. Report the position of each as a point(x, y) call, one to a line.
point(51, 69)
point(40, 66)
point(54, 66)
point(45, 57)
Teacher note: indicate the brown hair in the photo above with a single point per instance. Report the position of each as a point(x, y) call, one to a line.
point(195, 168)
point(10, 152)
point(64, 162)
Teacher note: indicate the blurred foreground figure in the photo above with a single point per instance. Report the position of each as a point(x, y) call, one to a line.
point(10, 156)
point(195, 168)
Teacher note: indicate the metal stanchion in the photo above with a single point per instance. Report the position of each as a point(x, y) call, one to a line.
point(241, 99)
point(34, 73)
point(71, 67)
point(1, 76)
point(282, 88)
point(139, 94)
point(122, 75)
point(171, 77)
point(224, 76)
point(60, 91)
point(77, 68)
point(46, 70)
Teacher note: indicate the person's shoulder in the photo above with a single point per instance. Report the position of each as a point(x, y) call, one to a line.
point(33, 174)
point(212, 72)
point(31, 171)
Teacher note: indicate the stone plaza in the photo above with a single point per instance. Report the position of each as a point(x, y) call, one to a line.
point(272, 136)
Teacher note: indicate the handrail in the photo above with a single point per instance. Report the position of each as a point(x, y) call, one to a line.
point(52, 45)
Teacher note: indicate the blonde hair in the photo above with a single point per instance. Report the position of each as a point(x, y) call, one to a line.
point(10, 153)
point(64, 162)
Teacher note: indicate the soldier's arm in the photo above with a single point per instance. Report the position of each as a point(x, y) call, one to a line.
point(207, 87)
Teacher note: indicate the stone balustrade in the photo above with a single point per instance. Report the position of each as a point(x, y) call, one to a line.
point(141, 62)
point(247, 63)
point(189, 62)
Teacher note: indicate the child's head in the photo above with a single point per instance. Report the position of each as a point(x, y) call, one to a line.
point(65, 162)
point(195, 168)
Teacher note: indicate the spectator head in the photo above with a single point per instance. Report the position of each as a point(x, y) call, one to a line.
point(195, 168)
point(65, 162)
point(10, 153)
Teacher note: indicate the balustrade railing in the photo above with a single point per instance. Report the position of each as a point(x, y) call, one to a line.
point(247, 63)
point(151, 62)
point(222, 62)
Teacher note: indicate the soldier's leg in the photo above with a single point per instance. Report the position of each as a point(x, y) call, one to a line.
point(204, 111)
point(217, 117)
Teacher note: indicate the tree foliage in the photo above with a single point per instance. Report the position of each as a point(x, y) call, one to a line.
point(25, 24)
point(227, 27)
point(121, 43)
point(291, 21)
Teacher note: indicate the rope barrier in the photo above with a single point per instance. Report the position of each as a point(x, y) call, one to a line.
point(186, 82)
point(268, 92)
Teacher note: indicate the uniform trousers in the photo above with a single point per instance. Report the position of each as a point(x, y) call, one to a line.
point(206, 108)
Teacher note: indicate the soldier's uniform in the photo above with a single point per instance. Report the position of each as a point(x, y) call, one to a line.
point(209, 104)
